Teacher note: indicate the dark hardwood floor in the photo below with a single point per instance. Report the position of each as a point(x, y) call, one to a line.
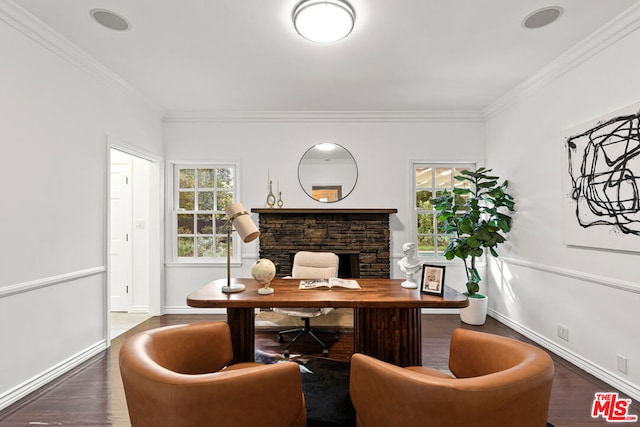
point(92, 395)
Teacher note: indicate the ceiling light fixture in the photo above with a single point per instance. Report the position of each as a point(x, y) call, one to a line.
point(324, 21)
point(542, 17)
point(110, 20)
point(326, 146)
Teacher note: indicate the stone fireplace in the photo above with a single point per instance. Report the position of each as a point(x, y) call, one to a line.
point(360, 238)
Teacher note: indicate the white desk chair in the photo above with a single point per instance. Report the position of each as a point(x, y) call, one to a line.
point(310, 265)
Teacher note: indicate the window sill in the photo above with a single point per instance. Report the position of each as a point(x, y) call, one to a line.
point(201, 264)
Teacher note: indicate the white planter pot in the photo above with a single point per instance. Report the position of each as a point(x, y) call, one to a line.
point(476, 312)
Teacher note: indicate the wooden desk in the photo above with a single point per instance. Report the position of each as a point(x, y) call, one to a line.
point(387, 322)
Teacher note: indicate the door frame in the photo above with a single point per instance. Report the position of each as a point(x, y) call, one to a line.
point(156, 229)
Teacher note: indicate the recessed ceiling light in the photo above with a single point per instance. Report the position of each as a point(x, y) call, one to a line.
point(542, 17)
point(110, 19)
point(323, 21)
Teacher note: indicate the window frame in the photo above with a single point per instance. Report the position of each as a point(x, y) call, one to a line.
point(174, 196)
point(435, 256)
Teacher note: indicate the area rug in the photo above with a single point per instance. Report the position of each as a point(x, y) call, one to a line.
point(325, 384)
point(270, 320)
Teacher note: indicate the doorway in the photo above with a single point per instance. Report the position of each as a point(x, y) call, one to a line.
point(134, 237)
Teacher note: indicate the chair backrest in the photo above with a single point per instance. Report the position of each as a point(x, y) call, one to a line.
point(499, 382)
point(315, 265)
point(174, 376)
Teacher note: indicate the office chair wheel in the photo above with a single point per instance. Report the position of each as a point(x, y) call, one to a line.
point(325, 352)
point(286, 354)
point(280, 338)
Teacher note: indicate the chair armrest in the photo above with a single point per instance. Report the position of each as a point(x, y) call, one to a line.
point(385, 395)
point(233, 398)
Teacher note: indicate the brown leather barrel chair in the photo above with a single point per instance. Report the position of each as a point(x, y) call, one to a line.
point(180, 376)
point(497, 382)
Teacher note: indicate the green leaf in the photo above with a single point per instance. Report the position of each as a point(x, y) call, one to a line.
point(475, 276)
point(463, 178)
point(472, 288)
point(462, 191)
point(488, 184)
point(482, 234)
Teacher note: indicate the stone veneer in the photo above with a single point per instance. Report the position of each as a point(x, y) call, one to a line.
point(362, 234)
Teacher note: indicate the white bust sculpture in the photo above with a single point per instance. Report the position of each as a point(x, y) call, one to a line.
point(409, 264)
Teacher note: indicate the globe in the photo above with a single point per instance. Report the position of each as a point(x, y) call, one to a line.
point(263, 271)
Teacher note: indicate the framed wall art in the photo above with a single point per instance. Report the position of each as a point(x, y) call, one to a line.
point(601, 182)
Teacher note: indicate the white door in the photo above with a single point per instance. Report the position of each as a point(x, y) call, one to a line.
point(121, 259)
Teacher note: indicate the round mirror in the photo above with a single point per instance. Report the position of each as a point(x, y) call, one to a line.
point(327, 172)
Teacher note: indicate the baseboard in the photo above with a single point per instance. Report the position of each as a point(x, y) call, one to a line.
point(586, 365)
point(440, 311)
point(33, 384)
point(139, 309)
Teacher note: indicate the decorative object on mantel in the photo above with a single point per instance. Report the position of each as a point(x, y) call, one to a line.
point(280, 202)
point(271, 198)
point(410, 265)
point(248, 232)
point(264, 271)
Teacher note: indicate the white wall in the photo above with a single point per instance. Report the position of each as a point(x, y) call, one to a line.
point(55, 120)
point(540, 282)
point(383, 151)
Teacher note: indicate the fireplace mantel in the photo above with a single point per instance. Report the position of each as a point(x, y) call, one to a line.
point(359, 236)
point(327, 211)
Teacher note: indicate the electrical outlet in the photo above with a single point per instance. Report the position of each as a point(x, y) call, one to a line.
point(563, 332)
point(622, 363)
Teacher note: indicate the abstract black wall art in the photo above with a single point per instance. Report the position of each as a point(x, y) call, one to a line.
point(602, 182)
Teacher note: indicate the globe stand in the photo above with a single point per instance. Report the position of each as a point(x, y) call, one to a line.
point(263, 272)
point(267, 290)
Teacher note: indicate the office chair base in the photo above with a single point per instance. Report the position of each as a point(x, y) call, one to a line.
point(306, 330)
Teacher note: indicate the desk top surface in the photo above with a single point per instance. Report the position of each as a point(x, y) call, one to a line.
point(375, 293)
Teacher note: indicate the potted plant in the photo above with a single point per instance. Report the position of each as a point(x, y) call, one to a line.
point(476, 220)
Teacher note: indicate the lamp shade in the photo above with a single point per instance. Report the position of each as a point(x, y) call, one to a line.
point(242, 222)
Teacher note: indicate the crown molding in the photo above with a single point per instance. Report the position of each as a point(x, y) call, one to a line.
point(618, 28)
point(323, 116)
point(30, 26)
point(615, 30)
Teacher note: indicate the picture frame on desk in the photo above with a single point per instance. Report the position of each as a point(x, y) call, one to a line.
point(432, 280)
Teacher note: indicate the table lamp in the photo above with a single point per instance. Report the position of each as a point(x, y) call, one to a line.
point(240, 220)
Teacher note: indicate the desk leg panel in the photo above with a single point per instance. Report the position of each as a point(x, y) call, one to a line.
point(242, 325)
point(390, 334)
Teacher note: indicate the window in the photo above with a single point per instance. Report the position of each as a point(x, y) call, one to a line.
point(201, 195)
point(429, 182)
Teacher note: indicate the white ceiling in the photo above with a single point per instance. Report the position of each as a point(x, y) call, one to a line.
point(403, 55)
